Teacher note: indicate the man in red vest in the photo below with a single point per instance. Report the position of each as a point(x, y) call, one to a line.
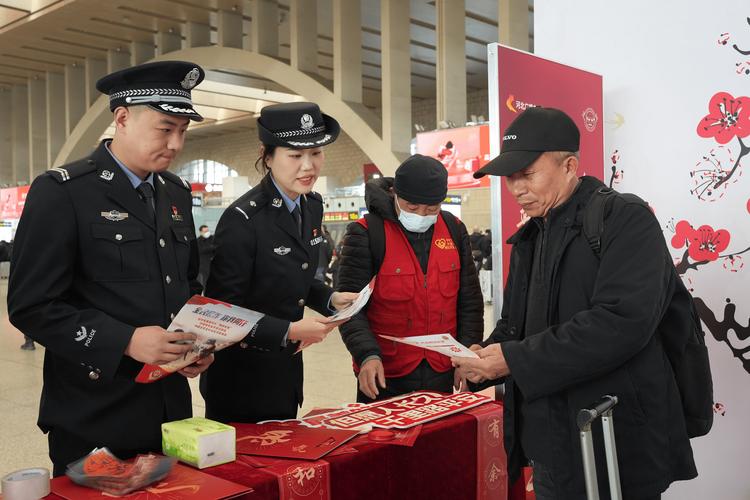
point(426, 282)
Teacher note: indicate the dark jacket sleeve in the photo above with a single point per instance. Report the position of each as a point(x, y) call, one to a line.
point(355, 271)
point(231, 276)
point(626, 308)
point(319, 297)
point(194, 264)
point(42, 274)
point(470, 302)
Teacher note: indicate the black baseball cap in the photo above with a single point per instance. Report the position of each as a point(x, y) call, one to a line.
point(535, 131)
point(164, 86)
point(296, 125)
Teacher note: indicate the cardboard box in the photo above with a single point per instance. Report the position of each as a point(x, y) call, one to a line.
point(199, 441)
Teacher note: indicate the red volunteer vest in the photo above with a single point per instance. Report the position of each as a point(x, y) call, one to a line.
point(406, 303)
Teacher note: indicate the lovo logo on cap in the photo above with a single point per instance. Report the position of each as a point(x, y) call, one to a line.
point(510, 137)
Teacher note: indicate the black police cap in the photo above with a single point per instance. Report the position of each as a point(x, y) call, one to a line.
point(164, 86)
point(422, 180)
point(532, 133)
point(296, 125)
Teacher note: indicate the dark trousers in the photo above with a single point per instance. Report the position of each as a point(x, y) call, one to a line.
point(545, 488)
point(423, 378)
point(65, 448)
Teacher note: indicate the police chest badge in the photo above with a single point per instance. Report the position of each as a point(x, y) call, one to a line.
point(316, 241)
point(282, 250)
point(114, 215)
point(276, 202)
point(176, 214)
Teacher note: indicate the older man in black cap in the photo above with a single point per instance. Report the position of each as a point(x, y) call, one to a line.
point(580, 322)
point(104, 256)
point(426, 282)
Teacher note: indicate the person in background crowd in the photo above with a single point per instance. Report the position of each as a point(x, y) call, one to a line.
point(475, 238)
point(206, 249)
point(123, 263)
point(576, 326)
point(485, 246)
point(426, 283)
point(266, 258)
point(324, 259)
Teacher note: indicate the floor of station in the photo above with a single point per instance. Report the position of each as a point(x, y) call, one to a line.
point(329, 382)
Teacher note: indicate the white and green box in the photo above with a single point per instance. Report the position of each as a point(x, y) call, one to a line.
point(199, 441)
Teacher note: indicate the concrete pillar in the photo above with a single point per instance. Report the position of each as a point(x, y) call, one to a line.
point(117, 59)
point(347, 50)
point(396, 75)
point(303, 40)
point(94, 69)
point(451, 61)
point(55, 90)
point(229, 28)
point(20, 133)
point(265, 28)
point(6, 138)
point(75, 96)
point(168, 41)
point(140, 52)
point(197, 35)
point(37, 106)
point(513, 23)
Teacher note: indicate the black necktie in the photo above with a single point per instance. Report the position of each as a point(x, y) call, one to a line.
point(298, 218)
point(146, 191)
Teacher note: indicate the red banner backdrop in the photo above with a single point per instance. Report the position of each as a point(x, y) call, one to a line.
point(525, 80)
point(463, 151)
point(12, 201)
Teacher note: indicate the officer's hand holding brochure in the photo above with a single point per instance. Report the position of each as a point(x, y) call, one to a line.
point(355, 306)
point(349, 311)
point(443, 343)
point(216, 324)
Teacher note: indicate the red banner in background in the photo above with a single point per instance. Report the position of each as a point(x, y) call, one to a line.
point(525, 80)
point(463, 151)
point(12, 201)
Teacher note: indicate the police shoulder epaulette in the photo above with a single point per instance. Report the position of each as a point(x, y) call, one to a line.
point(250, 204)
point(71, 170)
point(176, 179)
point(312, 195)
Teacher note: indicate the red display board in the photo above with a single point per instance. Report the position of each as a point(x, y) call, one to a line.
point(12, 201)
point(463, 151)
point(524, 80)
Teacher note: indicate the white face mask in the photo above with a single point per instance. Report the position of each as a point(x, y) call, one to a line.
point(206, 234)
point(414, 222)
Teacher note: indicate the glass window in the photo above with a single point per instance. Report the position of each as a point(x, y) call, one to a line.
point(205, 171)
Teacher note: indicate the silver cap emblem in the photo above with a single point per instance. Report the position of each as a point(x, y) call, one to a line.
point(306, 122)
point(191, 79)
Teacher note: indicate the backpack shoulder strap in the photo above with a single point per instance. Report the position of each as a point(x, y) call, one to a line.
point(593, 217)
point(376, 234)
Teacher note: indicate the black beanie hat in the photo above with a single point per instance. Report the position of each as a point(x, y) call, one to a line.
point(421, 179)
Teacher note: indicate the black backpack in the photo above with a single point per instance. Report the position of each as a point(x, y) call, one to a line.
point(376, 233)
point(680, 328)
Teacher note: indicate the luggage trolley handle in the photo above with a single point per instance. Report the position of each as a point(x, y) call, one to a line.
point(585, 418)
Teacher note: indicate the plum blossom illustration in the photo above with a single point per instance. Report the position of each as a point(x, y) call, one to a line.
point(728, 118)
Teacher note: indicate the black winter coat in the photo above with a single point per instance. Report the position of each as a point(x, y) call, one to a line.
point(89, 266)
point(262, 263)
point(356, 270)
point(603, 315)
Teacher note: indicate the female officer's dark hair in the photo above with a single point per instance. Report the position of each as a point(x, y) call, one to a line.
point(260, 163)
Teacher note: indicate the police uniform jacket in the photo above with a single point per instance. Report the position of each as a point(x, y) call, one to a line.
point(262, 263)
point(90, 265)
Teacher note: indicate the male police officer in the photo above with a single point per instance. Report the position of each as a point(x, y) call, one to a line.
point(104, 256)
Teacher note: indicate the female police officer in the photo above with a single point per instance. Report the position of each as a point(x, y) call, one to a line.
point(266, 256)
